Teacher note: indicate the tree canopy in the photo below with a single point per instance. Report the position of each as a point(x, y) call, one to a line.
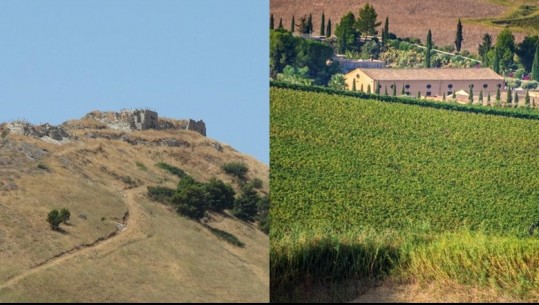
point(366, 20)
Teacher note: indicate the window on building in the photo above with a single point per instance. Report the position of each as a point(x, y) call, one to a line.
point(471, 85)
point(428, 93)
point(391, 86)
point(450, 86)
point(485, 86)
point(449, 92)
point(428, 86)
point(407, 93)
point(499, 85)
point(407, 86)
point(357, 75)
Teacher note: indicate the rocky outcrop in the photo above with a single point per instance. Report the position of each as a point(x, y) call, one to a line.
point(46, 132)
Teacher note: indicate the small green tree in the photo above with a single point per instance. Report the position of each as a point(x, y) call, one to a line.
point(220, 195)
point(236, 169)
point(419, 94)
point(385, 33)
point(323, 25)
point(470, 96)
point(515, 100)
point(366, 20)
point(362, 88)
point(64, 214)
point(403, 92)
point(454, 95)
point(488, 100)
point(458, 38)
point(385, 90)
point(293, 24)
point(428, 50)
point(191, 198)
point(527, 99)
point(443, 97)
point(369, 88)
point(337, 82)
point(272, 26)
point(509, 99)
point(263, 217)
point(54, 219)
point(354, 85)
point(245, 207)
point(480, 99)
point(281, 24)
point(328, 29)
point(498, 94)
point(310, 23)
point(535, 65)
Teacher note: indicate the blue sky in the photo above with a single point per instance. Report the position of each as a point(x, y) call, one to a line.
point(203, 59)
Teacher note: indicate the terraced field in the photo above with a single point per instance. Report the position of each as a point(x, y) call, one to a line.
point(417, 193)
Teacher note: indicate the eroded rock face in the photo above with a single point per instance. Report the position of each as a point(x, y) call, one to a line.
point(47, 132)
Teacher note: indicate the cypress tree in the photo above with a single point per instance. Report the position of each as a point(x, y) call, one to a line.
point(535, 65)
point(394, 89)
point(354, 85)
point(480, 101)
point(470, 97)
point(369, 88)
point(515, 100)
point(498, 95)
point(443, 97)
point(281, 24)
point(310, 23)
point(488, 99)
point(509, 99)
point(533, 102)
point(458, 38)
point(323, 25)
point(328, 29)
point(418, 94)
point(454, 96)
point(403, 92)
point(293, 24)
point(496, 61)
point(385, 90)
point(377, 88)
point(527, 99)
point(428, 50)
point(271, 22)
point(385, 32)
point(362, 88)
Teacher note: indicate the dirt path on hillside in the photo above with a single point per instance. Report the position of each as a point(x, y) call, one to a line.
point(131, 231)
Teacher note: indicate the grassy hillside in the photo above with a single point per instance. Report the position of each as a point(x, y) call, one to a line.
point(419, 193)
point(154, 254)
point(415, 18)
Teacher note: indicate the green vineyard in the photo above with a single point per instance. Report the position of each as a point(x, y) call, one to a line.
point(344, 167)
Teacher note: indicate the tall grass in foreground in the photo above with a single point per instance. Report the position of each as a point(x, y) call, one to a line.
point(302, 263)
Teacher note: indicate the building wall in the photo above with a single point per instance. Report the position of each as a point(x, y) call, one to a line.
point(437, 88)
point(198, 126)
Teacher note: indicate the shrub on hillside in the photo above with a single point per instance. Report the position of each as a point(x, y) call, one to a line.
point(263, 214)
point(172, 169)
point(54, 219)
point(64, 215)
point(257, 183)
point(160, 193)
point(191, 198)
point(246, 206)
point(236, 169)
point(220, 195)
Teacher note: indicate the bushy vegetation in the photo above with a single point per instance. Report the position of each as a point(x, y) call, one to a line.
point(236, 169)
point(172, 169)
point(228, 237)
point(55, 218)
point(161, 193)
point(425, 194)
point(220, 195)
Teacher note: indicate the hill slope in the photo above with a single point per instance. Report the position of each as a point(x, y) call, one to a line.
point(119, 245)
point(413, 18)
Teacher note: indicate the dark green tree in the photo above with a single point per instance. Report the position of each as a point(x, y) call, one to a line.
point(496, 61)
point(470, 96)
point(366, 20)
point(236, 169)
point(403, 92)
point(303, 25)
point(505, 45)
point(245, 207)
point(369, 88)
point(263, 217)
point(428, 50)
point(362, 88)
point(535, 65)
point(293, 24)
point(191, 198)
point(64, 214)
point(272, 26)
point(377, 89)
point(488, 100)
point(527, 99)
point(509, 99)
point(480, 99)
point(443, 96)
point(454, 95)
point(394, 89)
point(347, 34)
point(498, 94)
point(484, 48)
point(385, 90)
point(323, 26)
point(328, 29)
point(526, 51)
point(385, 33)
point(281, 24)
point(220, 195)
point(282, 51)
point(54, 219)
point(310, 23)
point(515, 100)
point(458, 37)
point(354, 85)
point(418, 94)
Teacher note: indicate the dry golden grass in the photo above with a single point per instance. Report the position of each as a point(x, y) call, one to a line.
point(406, 18)
point(167, 258)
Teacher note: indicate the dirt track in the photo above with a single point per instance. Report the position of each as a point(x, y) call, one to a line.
point(130, 232)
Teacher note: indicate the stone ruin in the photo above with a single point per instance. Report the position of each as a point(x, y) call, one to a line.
point(129, 120)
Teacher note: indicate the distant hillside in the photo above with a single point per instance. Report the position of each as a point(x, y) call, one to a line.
point(415, 18)
point(120, 246)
